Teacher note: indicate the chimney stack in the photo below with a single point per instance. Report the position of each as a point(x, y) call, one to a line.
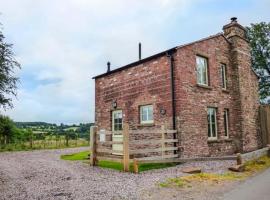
point(108, 67)
point(140, 51)
point(234, 29)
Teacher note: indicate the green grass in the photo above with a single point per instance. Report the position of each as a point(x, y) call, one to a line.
point(82, 156)
point(251, 168)
point(77, 156)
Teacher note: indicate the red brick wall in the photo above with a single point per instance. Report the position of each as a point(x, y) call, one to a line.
point(148, 83)
point(192, 100)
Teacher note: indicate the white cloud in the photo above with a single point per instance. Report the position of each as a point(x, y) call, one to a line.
point(71, 40)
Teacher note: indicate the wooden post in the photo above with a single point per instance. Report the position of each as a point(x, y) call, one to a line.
point(239, 159)
point(126, 147)
point(93, 147)
point(162, 140)
point(135, 166)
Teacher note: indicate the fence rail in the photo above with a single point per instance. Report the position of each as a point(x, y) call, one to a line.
point(133, 144)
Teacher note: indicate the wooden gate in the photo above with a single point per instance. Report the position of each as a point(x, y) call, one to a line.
point(265, 123)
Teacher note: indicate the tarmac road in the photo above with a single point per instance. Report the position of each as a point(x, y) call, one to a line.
point(256, 188)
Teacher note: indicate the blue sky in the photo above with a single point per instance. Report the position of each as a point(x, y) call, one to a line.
point(62, 44)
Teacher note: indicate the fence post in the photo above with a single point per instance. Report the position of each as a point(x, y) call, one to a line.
point(126, 147)
point(163, 131)
point(93, 147)
point(135, 166)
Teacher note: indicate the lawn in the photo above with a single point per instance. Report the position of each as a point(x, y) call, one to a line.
point(83, 156)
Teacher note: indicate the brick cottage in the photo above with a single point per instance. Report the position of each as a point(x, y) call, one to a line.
point(206, 90)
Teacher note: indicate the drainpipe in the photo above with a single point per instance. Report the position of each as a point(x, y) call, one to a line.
point(170, 57)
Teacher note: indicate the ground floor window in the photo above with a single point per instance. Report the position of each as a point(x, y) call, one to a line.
point(146, 114)
point(226, 122)
point(117, 120)
point(212, 123)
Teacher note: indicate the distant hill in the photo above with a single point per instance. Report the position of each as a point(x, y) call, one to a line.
point(33, 124)
point(81, 129)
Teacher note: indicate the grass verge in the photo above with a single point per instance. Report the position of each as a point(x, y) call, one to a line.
point(83, 156)
point(251, 167)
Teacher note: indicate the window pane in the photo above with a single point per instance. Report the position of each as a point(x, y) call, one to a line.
point(150, 113)
point(213, 121)
point(146, 113)
point(117, 120)
point(209, 125)
point(224, 76)
point(212, 125)
point(144, 117)
point(201, 70)
point(226, 122)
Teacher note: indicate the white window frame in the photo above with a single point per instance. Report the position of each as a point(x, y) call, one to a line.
point(148, 121)
point(226, 125)
point(211, 137)
point(224, 76)
point(113, 118)
point(200, 73)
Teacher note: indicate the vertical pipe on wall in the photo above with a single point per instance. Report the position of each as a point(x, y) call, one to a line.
point(170, 57)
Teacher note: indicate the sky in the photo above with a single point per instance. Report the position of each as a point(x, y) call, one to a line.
point(62, 44)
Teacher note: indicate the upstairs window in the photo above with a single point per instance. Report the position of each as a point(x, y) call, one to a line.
point(146, 114)
point(226, 122)
point(212, 123)
point(202, 70)
point(224, 76)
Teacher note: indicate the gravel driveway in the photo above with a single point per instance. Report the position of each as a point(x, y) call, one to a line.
point(43, 175)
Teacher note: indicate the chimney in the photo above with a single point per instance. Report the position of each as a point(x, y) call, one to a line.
point(140, 51)
point(234, 29)
point(108, 67)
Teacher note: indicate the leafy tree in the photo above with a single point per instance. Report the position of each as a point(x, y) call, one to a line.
point(8, 82)
point(259, 38)
point(7, 130)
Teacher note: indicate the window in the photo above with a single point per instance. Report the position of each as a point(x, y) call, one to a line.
point(146, 114)
point(226, 122)
point(224, 76)
point(117, 120)
point(212, 123)
point(202, 70)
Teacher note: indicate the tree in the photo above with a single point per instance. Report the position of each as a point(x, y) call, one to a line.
point(7, 130)
point(8, 64)
point(259, 38)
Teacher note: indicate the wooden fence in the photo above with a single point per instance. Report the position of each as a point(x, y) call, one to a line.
point(138, 146)
point(265, 124)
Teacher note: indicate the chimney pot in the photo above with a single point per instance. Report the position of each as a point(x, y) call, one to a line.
point(108, 66)
point(140, 51)
point(234, 19)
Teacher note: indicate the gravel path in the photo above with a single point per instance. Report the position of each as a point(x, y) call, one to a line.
point(43, 175)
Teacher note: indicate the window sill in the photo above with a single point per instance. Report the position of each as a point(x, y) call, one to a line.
point(146, 125)
point(204, 86)
point(225, 90)
point(213, 141)
point(219, 140)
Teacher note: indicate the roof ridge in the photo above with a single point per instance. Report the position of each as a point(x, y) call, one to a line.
point(158, 54)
